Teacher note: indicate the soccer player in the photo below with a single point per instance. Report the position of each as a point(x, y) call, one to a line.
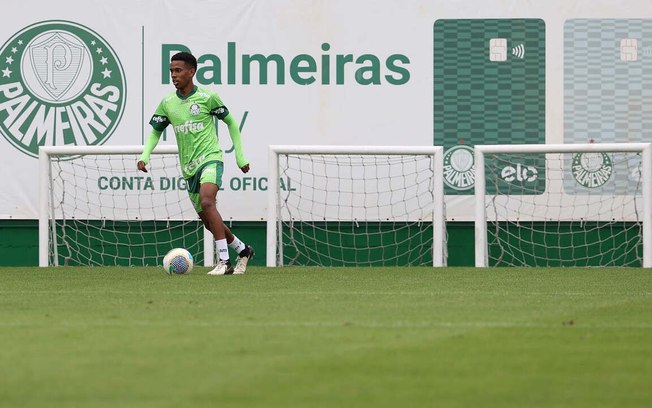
point(190, 111)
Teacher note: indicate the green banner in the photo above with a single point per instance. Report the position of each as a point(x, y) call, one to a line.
point(489, 88)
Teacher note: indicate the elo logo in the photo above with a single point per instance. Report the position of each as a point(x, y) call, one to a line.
point(519, 173)
point(60, 84)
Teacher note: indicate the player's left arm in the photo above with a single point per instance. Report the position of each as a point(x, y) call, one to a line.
point(222, 113)
point(234, 132)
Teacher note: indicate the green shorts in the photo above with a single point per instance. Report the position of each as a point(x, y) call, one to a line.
point(209, 172)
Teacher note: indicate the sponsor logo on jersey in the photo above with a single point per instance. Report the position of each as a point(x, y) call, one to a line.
point(219, 111)
point(459, 168)
point(189, 126)
point(592, 170)
point(60, 84)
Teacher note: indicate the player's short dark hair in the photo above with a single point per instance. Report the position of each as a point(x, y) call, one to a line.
point(186, 57)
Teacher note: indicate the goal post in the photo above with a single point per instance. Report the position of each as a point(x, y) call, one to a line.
point(355, 206)
point(96, 208)
point(563, 205)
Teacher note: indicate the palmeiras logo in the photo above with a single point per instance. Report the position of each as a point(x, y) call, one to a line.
point(194, 109)
point(60, 84)
point(592, 170)
point(459, 168)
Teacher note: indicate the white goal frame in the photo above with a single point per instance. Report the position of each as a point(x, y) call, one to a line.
point(273, 209)
point(481, 243)
point(45, 172)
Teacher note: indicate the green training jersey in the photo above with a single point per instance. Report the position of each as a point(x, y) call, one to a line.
point(191, 118)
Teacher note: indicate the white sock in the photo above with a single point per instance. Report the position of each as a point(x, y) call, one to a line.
point(222, 249)
point(237, 245)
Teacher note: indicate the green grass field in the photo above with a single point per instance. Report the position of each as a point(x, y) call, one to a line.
point(326, 337)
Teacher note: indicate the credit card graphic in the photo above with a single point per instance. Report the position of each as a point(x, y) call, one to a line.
point(489, 88)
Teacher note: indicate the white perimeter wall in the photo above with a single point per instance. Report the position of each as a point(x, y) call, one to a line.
point(348, 113)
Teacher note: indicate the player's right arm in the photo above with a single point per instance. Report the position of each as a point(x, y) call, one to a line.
point(159, 122)
point(151, 143)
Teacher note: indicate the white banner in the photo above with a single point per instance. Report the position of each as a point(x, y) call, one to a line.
point(76, 72)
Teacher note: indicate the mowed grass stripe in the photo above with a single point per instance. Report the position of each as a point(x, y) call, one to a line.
point(323, 337)
point(309, 324)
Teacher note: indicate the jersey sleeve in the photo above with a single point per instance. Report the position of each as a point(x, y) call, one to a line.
point(160, 119)
point(216, 106)
point(151, 143)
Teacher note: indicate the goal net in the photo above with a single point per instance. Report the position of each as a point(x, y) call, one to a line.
point(355, 206)
point(564, 205)
point(96, 208)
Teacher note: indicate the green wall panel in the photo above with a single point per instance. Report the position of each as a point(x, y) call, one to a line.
point(19, 244)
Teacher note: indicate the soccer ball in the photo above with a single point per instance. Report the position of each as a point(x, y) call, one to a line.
point(178, 261)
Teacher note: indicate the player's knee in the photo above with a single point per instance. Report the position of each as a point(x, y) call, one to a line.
point(207, 203)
